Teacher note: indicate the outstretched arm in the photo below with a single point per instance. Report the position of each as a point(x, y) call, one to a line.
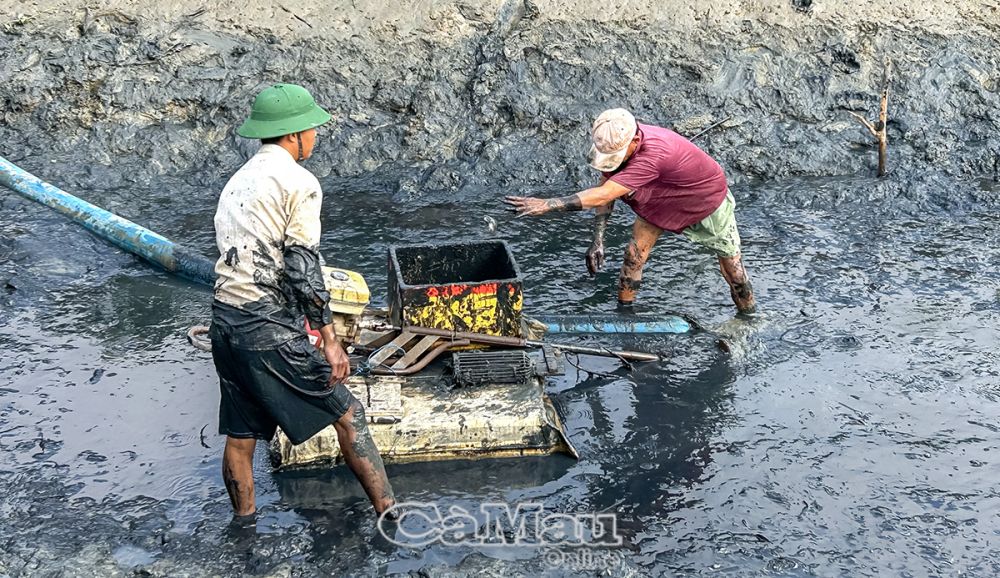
point(598, 196)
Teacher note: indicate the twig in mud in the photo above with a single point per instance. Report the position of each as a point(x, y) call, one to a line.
point(202, 434)
point(710, 128)
point(168, 52)
point(297, 17)
point(860, 415)
point(865, 122)
point(879, 130)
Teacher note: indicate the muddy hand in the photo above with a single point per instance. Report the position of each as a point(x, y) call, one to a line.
point(595, 258)
point(527, 206)
point(340, 364)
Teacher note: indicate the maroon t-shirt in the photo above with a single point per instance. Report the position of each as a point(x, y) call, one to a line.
point(674, 183)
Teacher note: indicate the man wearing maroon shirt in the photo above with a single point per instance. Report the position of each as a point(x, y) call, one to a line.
point(671, 184)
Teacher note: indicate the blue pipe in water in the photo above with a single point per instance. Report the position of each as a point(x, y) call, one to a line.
point(121, 232)
point(184, 262)
point(613, 324)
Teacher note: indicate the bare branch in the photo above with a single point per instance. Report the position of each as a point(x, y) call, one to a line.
point(864, 121)
point(883, 118)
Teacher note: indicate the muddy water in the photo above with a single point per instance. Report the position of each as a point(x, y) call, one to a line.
point(852, 431)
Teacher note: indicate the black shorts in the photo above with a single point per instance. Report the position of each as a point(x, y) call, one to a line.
point(257, 392)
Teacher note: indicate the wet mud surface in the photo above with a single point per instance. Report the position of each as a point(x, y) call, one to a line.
point(852, 429)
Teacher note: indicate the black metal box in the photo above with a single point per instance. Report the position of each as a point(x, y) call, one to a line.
point(473, 286)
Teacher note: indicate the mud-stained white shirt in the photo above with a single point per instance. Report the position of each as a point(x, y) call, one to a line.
point(267, 228)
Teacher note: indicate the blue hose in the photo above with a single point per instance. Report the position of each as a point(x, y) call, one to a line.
point(176, 259)
point(613, 324)
point(121, 232)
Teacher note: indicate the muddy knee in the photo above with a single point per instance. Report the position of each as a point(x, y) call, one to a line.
point(353, 421)
point(358, 418)
point(353, 426)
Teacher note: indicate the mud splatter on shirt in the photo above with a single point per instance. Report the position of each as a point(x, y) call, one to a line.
point(267, 228)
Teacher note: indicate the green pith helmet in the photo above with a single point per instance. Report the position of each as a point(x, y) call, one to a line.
point(282, 109)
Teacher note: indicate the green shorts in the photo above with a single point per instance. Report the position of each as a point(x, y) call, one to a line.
point(718, 231)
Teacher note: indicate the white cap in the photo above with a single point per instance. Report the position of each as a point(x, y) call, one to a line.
point(612, 133)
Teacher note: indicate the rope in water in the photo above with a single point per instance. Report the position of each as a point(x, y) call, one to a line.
point(198, 337)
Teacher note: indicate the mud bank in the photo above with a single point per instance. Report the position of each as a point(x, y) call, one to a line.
point(444, 98)
point(856, 434)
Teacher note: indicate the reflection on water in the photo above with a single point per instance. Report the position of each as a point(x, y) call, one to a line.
point(849, 429)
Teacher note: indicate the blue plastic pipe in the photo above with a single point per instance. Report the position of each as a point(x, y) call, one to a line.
point(121, 232)
point(613, 324)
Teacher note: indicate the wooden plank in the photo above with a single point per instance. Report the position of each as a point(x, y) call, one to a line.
point(414, 354)
point(391, 349)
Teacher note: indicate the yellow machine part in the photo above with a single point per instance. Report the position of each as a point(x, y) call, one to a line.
point(474, 309)
point(348, 290)
point(427, 424)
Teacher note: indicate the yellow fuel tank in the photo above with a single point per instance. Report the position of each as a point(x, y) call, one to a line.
point(348, 291)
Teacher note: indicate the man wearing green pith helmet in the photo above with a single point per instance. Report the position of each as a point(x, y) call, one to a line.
point(269, 278)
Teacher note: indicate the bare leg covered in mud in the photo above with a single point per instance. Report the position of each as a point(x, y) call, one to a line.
point(237, 472)
point(739, 283)
point(644, 236)
point(361, 455)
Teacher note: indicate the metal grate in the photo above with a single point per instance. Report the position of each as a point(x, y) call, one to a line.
point(491, 367)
